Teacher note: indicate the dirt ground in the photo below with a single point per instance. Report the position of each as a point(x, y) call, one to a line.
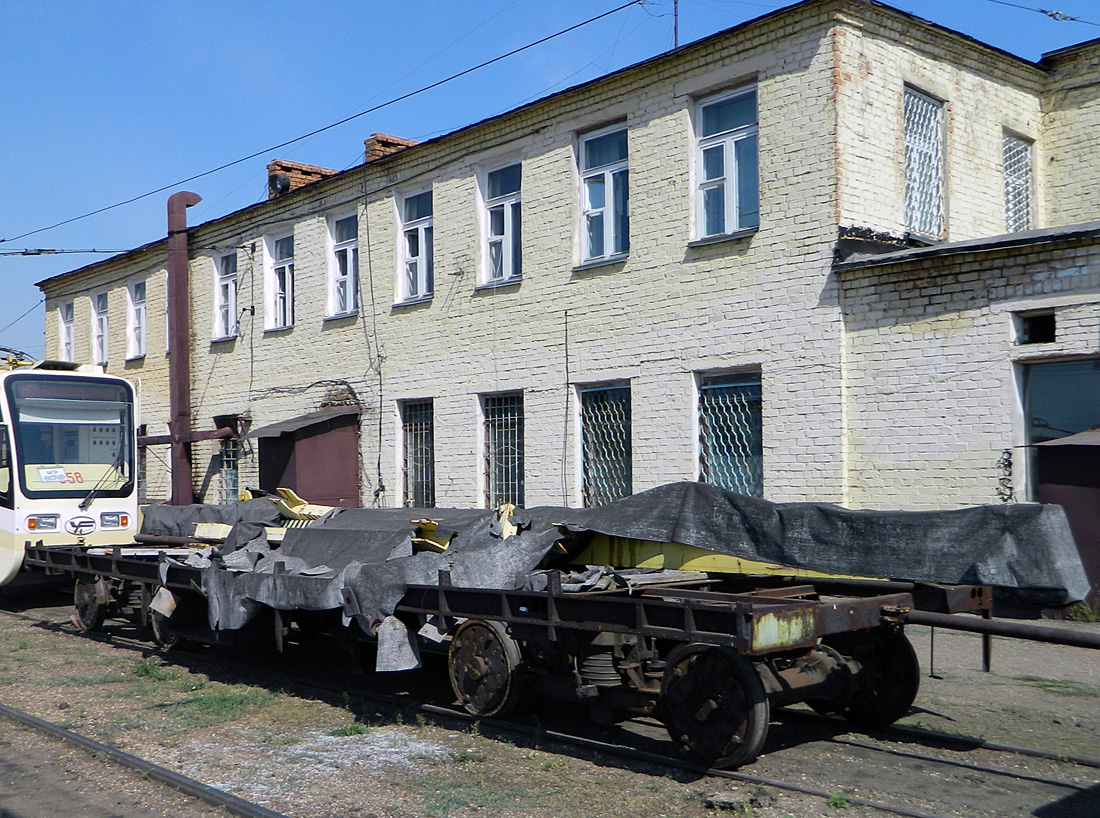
point(308, 756)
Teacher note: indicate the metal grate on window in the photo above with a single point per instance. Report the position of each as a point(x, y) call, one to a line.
point(923, 164)
point(1017, 164)
point(606, 445)
point(503, 449)
point(230, 471)
point(731, 451)
point(418, 420)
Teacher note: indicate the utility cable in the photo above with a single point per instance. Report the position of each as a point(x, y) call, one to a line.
point(1053, 15)
point(336, 124)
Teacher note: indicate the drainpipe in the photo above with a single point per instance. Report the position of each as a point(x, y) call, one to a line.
point(179, 342)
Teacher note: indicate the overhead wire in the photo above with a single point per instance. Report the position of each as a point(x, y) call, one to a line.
point(345, 120)
point(1054, 15)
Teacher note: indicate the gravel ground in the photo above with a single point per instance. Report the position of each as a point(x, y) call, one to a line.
point(309, 757)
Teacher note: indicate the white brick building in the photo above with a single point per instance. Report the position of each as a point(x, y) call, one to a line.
point(674, 272)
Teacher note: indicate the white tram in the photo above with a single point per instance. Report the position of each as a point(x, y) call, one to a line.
point(67, 461)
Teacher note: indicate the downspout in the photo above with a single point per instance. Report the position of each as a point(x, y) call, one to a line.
point(179, 342)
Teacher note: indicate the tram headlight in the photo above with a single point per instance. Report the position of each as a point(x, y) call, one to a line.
point(42, 522)
point(114, 519)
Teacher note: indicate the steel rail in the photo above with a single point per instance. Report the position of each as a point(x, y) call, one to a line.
point(188, 786)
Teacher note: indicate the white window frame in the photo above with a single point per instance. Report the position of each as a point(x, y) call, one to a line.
point(66, 316)
point(100, 328)
point(278, 284)
point(343, 284)
point(607, 217)
point(1018, 181)
point(739, 153)
point(136, 293)
point(225, 297)
point(416, 273)
point(503, 239)
point(931, 184)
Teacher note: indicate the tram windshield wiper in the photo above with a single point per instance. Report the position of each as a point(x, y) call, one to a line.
point(115, 468)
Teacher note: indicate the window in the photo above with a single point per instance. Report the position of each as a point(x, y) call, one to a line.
point(729, 195)
point(1061, 398)
point(923, 164)
point(731, 451)
point(344, 287)
point(279, 313)
point(417, 275)
point(99, 328)
point(502, 225)
point(605, 197)
point(418, 425)
point(135, 320)
point(65, 330)
point(605, 445)
point(1017, 165)
point(503, 416)
point(229, 471)
point(225, 298)
point(1036, 328)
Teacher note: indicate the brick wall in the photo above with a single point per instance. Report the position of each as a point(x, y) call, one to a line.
point(1071, 106)
point(931, 363)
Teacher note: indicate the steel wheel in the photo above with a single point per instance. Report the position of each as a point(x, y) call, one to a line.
point(888, 680)
point(90, 601)
point(484, 663)
point(714, 706)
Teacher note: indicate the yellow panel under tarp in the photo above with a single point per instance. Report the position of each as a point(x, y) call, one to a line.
point(620, 552)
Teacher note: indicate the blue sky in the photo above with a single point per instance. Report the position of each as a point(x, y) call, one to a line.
point(103, 102)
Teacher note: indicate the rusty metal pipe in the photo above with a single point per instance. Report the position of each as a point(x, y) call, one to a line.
point(1014, 630)
point(179, 342)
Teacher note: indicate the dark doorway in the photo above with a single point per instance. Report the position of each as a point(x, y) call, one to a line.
point(319, 461)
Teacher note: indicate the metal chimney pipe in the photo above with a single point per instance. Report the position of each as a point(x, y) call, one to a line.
point(179, 342)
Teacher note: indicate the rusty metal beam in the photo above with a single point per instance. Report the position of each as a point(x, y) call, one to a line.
point(179, 342)
point(1014, 630)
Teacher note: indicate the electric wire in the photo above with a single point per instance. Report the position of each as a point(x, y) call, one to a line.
point(345, 120)
point(1054, 15)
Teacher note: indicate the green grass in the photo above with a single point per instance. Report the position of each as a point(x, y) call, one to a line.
point(355, 729)
point(149, 668)
point(837, 800)
point(209, 708)
point(1061, 688)
point(468, 756)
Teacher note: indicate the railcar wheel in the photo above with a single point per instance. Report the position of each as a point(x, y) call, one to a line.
point(161, 608)
point(90, 600)
point(484, 664)
point(887, 683)
point(714, 706)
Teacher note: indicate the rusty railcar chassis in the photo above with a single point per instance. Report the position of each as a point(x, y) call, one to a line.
point(708, 656)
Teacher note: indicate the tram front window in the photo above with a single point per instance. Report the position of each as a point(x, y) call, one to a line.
point(71, 436)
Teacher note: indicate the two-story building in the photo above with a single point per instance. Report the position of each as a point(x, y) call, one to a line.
point(837, 253)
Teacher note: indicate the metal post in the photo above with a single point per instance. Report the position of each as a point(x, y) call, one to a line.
point(179, 342)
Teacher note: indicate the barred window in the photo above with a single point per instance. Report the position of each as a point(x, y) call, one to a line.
point(229, 473)
point(731, 451)
point(418, 424)
point(503, 449)
point(606, 458)
point(923, 164)
point(1017, 165)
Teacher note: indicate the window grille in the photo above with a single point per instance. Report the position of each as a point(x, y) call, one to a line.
point(731, 452)
point(230, 471)
point(503, 449)
point(1017, 165)
point(605, 445)
point(418, 422)
point(923, 164)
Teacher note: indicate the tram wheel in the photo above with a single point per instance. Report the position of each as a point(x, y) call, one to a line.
point(714, 706)
point(887, 684)
point(161, 608)
point(90, 600)
point(484, 663)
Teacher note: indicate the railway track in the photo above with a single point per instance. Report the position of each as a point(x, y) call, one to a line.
point(898, 771)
